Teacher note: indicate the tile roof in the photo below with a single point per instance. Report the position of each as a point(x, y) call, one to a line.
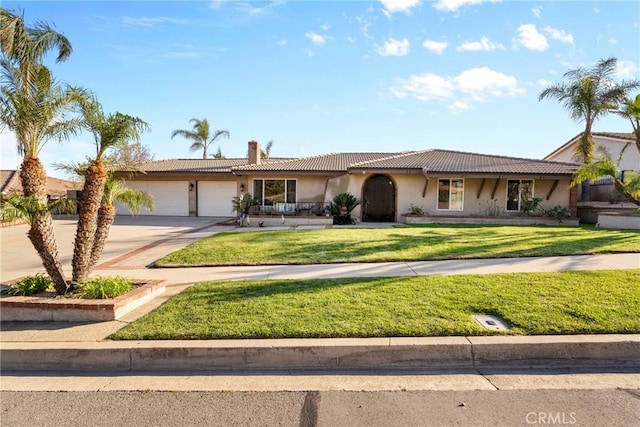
point(333, 162)
point(446, 161)
point(197, 165)
point(615, 135)
point(10, 183)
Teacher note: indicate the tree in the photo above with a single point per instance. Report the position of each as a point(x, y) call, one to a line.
point(115, 190)
point(590, 93)
point(36, 114)
point(631, 110)
point(129, 155)
point(200, 135)
point(27, 46)
point(605, 166)
point(109, 130)
point(266, 153)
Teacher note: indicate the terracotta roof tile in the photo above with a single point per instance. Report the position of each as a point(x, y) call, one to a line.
point(446, 161)
point(197, 165)
point(10, 183)
point(333, 162)
point(616, 135)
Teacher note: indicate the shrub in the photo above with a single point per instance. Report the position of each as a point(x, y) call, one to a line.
point(104, 287)
point(530, 205)
point(416, 210)
point(30, 285)
point(342, 206)
point(558, 212)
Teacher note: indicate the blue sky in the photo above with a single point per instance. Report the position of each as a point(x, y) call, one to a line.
point(336, 76)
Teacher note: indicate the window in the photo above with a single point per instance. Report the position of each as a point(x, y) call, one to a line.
point(450, 194)
point(517, 192)
point(271, 191)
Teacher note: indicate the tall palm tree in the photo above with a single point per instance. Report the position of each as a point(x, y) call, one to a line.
point(33, 106)
point(588, 94)
point(27, 46)
point(37, 115)
point(200, 135)
point(109, 130)
point(115, 190)
point(605, 166)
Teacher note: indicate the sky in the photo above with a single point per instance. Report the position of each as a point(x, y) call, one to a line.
point(319, 77)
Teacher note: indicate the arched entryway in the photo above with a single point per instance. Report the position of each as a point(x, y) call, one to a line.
point(379, 199)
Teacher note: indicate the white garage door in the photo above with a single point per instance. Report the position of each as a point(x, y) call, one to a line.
point(214, 198)
point(169, 197)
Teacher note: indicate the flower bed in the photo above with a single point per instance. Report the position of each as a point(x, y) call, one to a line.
point(488, 220)
point(50, 307)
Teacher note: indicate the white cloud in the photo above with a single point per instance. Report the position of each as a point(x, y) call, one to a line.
point(613, 40)
point(459, 106)
point(453, 5)
point(393, 6)
point(364, 26)
point(484, 44)
point(627, 70)
point(434, 46)
point(216, 4)
point(325, 27)
point(560, 35)
point(394, 47)
point(474, 85)
point(316, 38)
point(530, 38)
point(537, 11)
point(282, 42)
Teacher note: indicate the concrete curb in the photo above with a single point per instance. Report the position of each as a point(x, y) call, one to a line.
point(219, 355)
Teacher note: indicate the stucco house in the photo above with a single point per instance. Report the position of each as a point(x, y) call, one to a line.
point(604, 142)
point(56, 188)
point(441, 182)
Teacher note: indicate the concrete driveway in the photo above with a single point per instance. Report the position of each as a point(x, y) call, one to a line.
point(134, 242)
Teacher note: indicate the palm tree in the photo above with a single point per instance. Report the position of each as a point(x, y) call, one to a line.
point(115, 190)
point(589, 94)
point(33, 106)
point(109, 130)
point(37, 115)
point(27, 46)
point(200, 135)
point(631, 110)
point(604, 166)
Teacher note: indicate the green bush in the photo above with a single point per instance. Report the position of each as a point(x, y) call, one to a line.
point(30, 285)
point(341, 208)
point(558, 212)
point(104, 287)
point(416, 210)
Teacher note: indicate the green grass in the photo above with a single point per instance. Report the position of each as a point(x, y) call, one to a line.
point(534, 303)
point(415, 243)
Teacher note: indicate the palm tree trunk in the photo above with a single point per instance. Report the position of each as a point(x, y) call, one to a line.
point(106, 215)
point(95, 178)
point(34, 183)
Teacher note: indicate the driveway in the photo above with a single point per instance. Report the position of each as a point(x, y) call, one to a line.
point(134, 242)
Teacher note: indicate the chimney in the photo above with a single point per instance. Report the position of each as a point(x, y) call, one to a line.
point(254, 153)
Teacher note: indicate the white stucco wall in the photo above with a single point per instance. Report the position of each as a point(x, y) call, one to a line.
point(630, 159)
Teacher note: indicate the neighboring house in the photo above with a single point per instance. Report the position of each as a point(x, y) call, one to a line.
point(604, 142)
point(56, 188)
point(442, 182)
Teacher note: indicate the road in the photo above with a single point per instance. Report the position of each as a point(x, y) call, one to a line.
point(331, 408)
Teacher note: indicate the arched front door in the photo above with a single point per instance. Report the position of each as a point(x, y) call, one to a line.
point(379, 199)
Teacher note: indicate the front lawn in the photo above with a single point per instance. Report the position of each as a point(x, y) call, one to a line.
point(600, 302)
point(415, 243)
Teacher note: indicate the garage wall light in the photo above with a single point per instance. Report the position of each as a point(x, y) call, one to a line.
point(191, 186)
point(242, 188)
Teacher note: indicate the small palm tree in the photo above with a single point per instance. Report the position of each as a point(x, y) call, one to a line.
point(342, 206)
point(115, 190)
point(200, 135)
point(109, 130)
point(605, 166)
